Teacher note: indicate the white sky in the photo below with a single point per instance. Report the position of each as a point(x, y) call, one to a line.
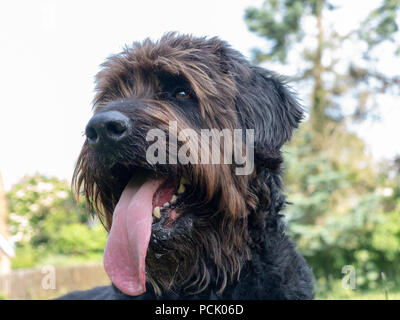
point(51, 50)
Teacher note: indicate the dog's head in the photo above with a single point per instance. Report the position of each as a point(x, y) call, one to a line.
point(176, 158)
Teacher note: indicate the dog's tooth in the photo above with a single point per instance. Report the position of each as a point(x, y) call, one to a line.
point(184, 180)
point(181, 189)
point(166, 205)
point(173, 199)
point(156, 212)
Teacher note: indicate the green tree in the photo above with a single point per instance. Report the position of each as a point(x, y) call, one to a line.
point(342, 203)
point(281, 23)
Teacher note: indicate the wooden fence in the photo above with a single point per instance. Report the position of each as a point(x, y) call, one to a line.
point(49, 282)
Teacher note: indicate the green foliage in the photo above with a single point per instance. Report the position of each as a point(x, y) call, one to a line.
point(45, 220)
point(346, 209)
point(386, 237)
point(344, 212)
point(323, 59)
point(338, 292)
point(280, 23)
point(79, 239)
point(25, 256)
point(381, 24)
point(277, 29)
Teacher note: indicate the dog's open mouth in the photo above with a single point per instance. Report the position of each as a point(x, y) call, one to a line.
point(146, 202)
point(165, 201)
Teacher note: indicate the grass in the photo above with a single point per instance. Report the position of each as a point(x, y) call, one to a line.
point(384, 291)
point(361, 295)
point(63, 260)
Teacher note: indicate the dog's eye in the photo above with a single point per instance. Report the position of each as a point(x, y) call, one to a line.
point(182, 93)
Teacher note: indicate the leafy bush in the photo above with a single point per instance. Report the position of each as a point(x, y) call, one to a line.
point(45, 220)
point(79, 239)
point(344, 211)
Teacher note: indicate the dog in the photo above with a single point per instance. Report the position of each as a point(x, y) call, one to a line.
point(192, 230)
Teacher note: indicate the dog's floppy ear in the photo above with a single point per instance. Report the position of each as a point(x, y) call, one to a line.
point(266, 105)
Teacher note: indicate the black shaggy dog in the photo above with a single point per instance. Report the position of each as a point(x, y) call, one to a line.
point(194, 230)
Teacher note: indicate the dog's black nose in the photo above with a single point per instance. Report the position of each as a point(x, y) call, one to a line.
point(107, 128)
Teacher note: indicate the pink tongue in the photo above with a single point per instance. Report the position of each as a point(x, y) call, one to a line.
point(125, 251)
